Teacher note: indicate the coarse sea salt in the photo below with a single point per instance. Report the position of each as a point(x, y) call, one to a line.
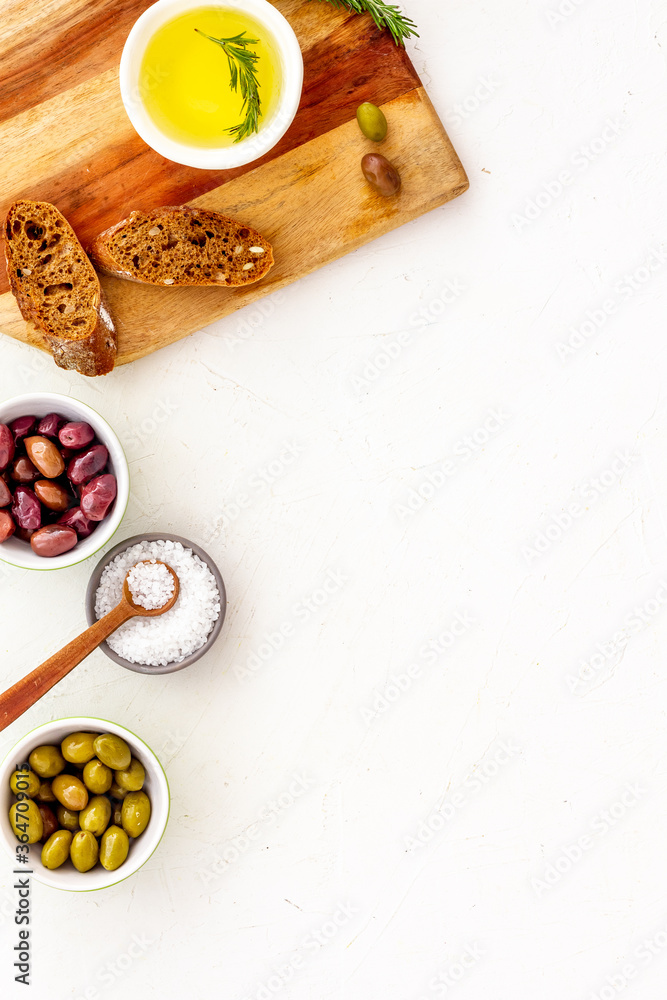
point(170, 637)
point(151, 585)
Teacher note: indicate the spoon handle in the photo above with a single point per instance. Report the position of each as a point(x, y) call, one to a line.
point(17, 699)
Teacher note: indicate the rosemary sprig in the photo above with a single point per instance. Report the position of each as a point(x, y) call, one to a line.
point(242, 71)
point(385, 15)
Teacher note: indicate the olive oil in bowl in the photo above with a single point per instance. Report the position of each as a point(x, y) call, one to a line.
point(186, 77)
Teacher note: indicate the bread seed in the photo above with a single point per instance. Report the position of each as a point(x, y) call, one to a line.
point(155, 231)
point(220, 276)
point(168, 281)
point(238, 249)
point(247, 267)
point(27, 270)
point(256, 249)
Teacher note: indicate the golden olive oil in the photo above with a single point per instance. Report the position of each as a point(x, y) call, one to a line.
point(185, 81)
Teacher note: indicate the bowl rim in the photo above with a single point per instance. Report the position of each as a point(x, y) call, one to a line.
point(156, 536)
point(102, 535)
point(222, 157)
point(89, 721)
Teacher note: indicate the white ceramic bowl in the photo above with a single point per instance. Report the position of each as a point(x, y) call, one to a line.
point(271, 130)
point(19, 553)
point(156, 787)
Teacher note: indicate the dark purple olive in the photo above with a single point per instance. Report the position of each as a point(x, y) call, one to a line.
point(382, 174)
point(5, 493)
point(7, 446)
point(75, 518)
point(22, 426)
point(7, 526)
point(53, 540)
point(24, 534)
point(88, 464)
point(76, 435)
point(97, 497)
point(26, 510)
point(23, 471)
point(50, 425)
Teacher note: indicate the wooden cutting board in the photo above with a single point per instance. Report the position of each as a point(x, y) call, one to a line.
point(65, 138)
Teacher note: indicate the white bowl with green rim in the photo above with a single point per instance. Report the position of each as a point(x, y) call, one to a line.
point(283, 42)
point(17, 552)
point(141, 848)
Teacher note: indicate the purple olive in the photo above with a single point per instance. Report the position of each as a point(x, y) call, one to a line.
point(88, 464)
point(53, 540)
point(26, 510)
point(76, 435)
point(5, 493)
point(75, 518)
point(97, 497)
point(50, 425)
point(22, 426)
point(7, 446)
point(23, 471)
point(7, 526)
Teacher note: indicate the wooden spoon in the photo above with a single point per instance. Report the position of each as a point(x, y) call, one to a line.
point(18, 698)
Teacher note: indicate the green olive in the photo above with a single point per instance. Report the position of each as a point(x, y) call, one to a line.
point(47, 761)
point(84, 851)
point(68, 818)
point(45, 793)
point(132, 778)
point(372, 121)
point(78, 748)
point(26, 782)
point(56, 850)
point(113, 751)
point(26, 821)
point(70, 792)
point(97, 777)
point(116, 792)
point(117, 818)
point(113, 848)
point(136, 813)
point(96, 815)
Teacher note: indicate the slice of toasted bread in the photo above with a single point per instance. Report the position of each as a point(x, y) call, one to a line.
point(57, 289)
point(182, 246)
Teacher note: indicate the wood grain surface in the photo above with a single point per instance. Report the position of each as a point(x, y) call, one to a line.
point(59, 98)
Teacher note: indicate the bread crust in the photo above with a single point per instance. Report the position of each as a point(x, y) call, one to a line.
point(104, 253)
point(95, 352)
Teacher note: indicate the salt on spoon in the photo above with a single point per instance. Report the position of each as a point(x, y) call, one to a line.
point(141, 588)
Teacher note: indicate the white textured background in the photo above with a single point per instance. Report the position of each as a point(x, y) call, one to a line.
point(426, 839)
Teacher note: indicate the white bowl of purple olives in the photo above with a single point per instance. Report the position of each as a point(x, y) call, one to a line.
point(64, 481)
